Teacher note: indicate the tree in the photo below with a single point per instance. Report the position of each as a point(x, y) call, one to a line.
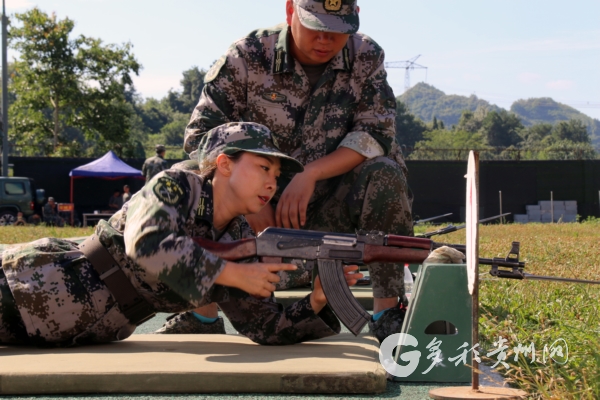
point(501, 129)
point(409, 129)
point(64, 83)
point(192, 83)
point(447, 145)
point(573, 130)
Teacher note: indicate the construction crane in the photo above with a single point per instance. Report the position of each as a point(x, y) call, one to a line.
point(407, 65)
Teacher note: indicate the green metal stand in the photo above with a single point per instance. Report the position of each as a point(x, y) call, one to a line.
point(439, 317)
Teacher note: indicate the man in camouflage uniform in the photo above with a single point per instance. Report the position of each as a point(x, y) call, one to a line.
point(51, 294)
point(50, 212)
point(154, 165)
point(321, 89)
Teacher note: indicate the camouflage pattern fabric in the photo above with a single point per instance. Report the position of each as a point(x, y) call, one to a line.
point(59, 297)
point(351, 106)
point(153, 166)
point(61, 300)
point(328, 15)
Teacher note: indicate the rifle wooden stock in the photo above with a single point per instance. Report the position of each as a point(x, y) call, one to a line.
point(387, 254)
point(233, 251)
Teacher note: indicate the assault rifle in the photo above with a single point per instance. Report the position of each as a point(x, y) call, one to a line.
point(328, 251)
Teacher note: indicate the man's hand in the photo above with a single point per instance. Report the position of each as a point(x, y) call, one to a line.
point(317, 297)
point(262, 220)
point(257, 279)
point(292, 206)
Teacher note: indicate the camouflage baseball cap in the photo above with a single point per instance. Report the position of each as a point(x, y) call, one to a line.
point(339, 16)
point(243, 136)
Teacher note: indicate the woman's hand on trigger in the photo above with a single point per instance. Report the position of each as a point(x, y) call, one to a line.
point(257, 279)
point(317, 297)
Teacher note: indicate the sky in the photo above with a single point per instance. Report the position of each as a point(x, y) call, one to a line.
point(501, 51)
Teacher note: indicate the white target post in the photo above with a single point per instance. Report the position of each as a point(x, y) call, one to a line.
point(472, 255)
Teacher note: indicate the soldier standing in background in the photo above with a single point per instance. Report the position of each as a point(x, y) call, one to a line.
point(322, 89)
point(156, 164)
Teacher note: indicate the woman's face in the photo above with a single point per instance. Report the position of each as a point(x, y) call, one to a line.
point(253, 181)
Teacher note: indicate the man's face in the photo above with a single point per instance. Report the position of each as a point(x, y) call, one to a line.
point(312, 47)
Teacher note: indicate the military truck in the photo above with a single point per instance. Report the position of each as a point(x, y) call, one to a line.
point(19, 194)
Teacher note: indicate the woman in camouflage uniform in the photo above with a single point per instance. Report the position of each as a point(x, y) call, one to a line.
point(51, 293)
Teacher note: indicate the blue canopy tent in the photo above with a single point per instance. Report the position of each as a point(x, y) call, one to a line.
point(109, 166)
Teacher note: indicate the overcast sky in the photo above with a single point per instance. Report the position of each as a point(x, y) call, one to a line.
point(500, 51)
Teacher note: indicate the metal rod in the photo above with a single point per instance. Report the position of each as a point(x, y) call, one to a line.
point(556, 278)
point(4, 94)
point(502, 218)
point(551, 207)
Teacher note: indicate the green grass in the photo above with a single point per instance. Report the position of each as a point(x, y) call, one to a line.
point(541, 312)
point(519, 311)
point(21, 234)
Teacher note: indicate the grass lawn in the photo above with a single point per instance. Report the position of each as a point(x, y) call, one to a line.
point(522, 312)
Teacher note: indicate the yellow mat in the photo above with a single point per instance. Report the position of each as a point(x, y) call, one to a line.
point(196, 364)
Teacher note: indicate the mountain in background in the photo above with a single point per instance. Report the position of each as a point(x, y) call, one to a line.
point(426, 102)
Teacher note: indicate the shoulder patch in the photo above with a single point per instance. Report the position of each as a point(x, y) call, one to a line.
point(168, 191)
point(213, 72)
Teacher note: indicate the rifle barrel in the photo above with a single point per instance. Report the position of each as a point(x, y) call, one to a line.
point(556, 278)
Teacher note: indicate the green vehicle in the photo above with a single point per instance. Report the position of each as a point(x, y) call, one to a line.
point(19, 195)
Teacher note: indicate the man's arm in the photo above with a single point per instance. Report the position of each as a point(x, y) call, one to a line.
point(291, 209)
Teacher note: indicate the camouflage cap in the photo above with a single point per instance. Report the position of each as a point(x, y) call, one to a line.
point(339, 16)
point(243, 136)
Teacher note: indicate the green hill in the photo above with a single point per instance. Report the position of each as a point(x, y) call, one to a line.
point(426, 102)
point(544, 109)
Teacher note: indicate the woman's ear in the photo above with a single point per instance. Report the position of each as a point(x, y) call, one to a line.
point(289, 11)
point(224, 165)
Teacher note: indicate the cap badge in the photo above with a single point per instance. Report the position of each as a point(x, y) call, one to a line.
point(333, 5)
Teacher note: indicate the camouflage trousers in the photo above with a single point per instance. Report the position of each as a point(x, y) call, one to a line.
point(50, 295)
point(373, 197)
point(12, 329)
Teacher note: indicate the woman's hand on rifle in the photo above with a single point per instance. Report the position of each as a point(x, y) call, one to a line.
point(257, 279)
point(317, 297)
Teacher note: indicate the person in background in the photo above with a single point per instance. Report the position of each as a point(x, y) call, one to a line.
point(20, 220)
point(116, 201)
point(156, 164)
point(50, 212)
point(126, 195)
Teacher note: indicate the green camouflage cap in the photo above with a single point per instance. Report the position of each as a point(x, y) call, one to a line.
point(243, 136)
point(339, 16)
